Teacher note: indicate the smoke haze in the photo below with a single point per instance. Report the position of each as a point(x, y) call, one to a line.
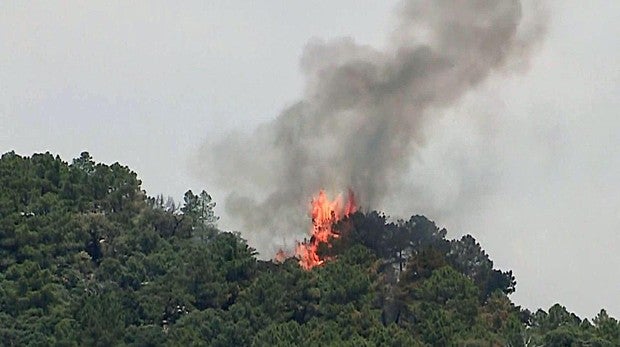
point(363, 113)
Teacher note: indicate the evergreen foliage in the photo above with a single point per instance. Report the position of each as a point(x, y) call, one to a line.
point(87, 259)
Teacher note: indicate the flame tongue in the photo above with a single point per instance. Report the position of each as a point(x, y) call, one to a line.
point(324, 214)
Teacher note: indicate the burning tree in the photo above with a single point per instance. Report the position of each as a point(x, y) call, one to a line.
point(325, 214)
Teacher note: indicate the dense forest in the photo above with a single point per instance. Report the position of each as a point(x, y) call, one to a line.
point(88, 259)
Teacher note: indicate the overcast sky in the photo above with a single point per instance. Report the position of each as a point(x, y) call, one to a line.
point(146, 84)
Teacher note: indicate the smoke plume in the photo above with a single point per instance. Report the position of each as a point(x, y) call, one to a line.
point(362, 113)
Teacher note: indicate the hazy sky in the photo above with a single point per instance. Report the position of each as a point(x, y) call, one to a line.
point(528, 163)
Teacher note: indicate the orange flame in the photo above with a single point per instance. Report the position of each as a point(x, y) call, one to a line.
point(280, 256)
point(324, 214)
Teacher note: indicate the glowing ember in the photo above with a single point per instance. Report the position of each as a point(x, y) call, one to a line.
point(324, 214)
point(280, 256)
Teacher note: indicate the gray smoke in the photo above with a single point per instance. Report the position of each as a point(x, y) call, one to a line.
point(362, 113)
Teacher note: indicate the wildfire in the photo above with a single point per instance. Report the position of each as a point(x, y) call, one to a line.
point(324, 214)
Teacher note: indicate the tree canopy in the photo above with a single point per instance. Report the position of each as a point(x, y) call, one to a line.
point(88, 259)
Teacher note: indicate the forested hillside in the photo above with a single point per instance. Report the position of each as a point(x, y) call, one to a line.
point(88, 259)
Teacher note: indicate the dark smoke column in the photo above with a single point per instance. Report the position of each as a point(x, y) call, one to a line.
point(361, 115)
